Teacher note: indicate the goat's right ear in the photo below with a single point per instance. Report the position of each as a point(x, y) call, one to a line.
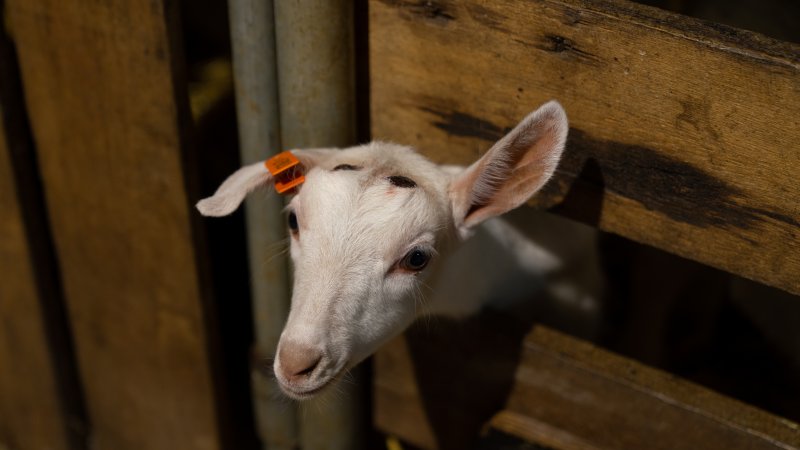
point(235, 188)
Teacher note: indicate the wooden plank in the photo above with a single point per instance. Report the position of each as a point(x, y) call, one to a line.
point(108, 117)
point(684, 133)
point(30, 409)
point(564, 394)
point(569, 394)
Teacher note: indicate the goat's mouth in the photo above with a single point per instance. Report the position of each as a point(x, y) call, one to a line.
point(298, 393)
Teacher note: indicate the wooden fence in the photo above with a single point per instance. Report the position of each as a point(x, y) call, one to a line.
point(684, 137)
point(109, 114)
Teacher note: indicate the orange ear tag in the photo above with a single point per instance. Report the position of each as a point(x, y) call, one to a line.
point(286, 170)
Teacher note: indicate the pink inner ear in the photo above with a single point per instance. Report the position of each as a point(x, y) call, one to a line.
point(513, 170)
point(498, 183)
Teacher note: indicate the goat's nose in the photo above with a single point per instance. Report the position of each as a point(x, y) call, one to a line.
point(298, 362)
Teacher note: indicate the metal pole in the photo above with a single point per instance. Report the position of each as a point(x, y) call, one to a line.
point(315, 72)
point(317, 104)
point(255, 78)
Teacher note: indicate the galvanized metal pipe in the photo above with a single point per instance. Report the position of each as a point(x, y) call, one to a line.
point(317, 105)
point(255, 77)
point(315, 72)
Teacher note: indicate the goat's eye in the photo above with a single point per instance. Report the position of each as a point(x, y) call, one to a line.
point(293, 222)
point(415, 260)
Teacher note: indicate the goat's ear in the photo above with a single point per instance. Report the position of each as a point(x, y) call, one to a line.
point(511, 171)
point(235, 188)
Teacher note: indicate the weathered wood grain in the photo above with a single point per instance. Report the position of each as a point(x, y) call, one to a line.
point(108, 118)
point(684, 133)
point(31, 413)
point(569, 394)
point(564, 394)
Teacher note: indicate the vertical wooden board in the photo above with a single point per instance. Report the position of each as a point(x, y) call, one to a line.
point(684, 134)
point(418, 398)
point(398, 405)
point(30, 410)
point(100, 88)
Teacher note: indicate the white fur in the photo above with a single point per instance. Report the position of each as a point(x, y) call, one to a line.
point(355, 225)
point(233, 191)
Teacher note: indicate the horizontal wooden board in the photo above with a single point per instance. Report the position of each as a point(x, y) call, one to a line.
point(685, 135)
point(108, 117)
point(437, 390)
point(31, 414)
point(569, 394)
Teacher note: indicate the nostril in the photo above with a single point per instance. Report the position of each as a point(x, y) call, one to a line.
point(309, 369)
point(298, 363)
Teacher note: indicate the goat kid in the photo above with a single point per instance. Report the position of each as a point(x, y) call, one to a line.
point(370, 224)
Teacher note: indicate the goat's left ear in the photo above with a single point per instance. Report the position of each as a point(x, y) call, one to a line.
point(511, 171)
point(235, 188)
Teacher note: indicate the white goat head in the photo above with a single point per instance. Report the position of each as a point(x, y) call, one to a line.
point(369, 223)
